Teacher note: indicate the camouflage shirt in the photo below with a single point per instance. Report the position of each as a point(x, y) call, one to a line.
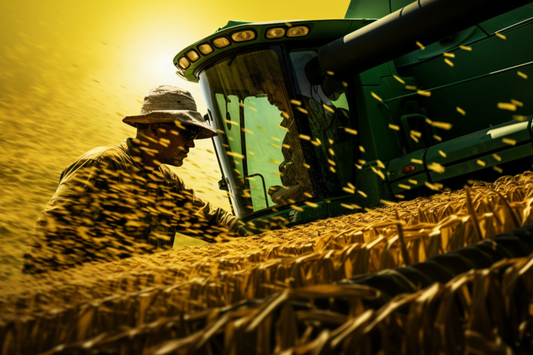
point(108, 206)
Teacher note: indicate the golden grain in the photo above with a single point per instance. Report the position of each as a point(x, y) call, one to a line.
point(375, 96)
point(327, 108)
point(436, 167)
point(296, 102)
point(348, 190)
point(442, 125)
point(378, 172)
point(398, 79)
point(509, 141)
point(415, 133)
point(506, 106)
point(351, 131)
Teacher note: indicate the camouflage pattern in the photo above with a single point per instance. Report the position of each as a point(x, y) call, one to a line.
point(109, 206)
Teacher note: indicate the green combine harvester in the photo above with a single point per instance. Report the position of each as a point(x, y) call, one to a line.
point(319, 118)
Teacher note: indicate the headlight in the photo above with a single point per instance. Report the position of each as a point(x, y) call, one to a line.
point(193, 56)
point(184, 63)
point(205, 49)
point(277, 32)
point(221, 42)
point(298, 31)
point(243, 36)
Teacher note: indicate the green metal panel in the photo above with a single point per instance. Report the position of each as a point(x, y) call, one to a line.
point(477, 146)
point(398, 4)
point(368, 9)
point(411, 183)
point(508, 19)
point(472, 165)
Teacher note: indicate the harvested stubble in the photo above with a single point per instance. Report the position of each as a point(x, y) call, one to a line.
point(478, 312)
point(43, 311)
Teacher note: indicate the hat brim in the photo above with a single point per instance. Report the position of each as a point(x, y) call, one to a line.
point(185, 117)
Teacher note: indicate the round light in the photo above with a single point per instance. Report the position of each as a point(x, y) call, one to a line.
point(243, 36)
point(205, 49)
point(193, 56)
point(408, 169)
point(184, 63)
point(221, 42)
point(298, 31)
point(277, 32)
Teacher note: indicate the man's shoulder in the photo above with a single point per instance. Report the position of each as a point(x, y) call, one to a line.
point(104, 153)
point(111, 157)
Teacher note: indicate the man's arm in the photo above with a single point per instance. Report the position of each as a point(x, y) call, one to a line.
point(214, 221)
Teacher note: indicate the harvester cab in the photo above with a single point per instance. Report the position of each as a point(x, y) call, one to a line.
point(327, 117)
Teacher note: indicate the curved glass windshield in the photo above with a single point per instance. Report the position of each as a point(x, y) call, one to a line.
point(259, 143)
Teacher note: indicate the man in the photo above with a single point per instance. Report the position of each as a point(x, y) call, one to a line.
point(119, 201)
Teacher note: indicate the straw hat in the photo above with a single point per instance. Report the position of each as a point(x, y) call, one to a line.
point(166, 103)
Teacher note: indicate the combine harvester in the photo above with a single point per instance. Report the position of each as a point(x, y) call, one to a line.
point(319, 121)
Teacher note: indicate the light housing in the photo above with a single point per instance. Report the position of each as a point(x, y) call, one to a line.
point(221, 42)
point(184, 63)
point(192, 55)
point(243, 36)
point(298, 31)
point(276, 32)
point(408, 169)
point(205, 48)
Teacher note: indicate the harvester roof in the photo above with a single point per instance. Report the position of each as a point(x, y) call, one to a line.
point(238, 35)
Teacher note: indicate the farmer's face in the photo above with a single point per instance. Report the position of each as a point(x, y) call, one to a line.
point(174, 144)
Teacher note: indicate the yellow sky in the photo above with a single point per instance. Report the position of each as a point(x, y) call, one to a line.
point(72, 69)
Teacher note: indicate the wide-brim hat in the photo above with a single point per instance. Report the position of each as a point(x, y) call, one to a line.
point(166, 103)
